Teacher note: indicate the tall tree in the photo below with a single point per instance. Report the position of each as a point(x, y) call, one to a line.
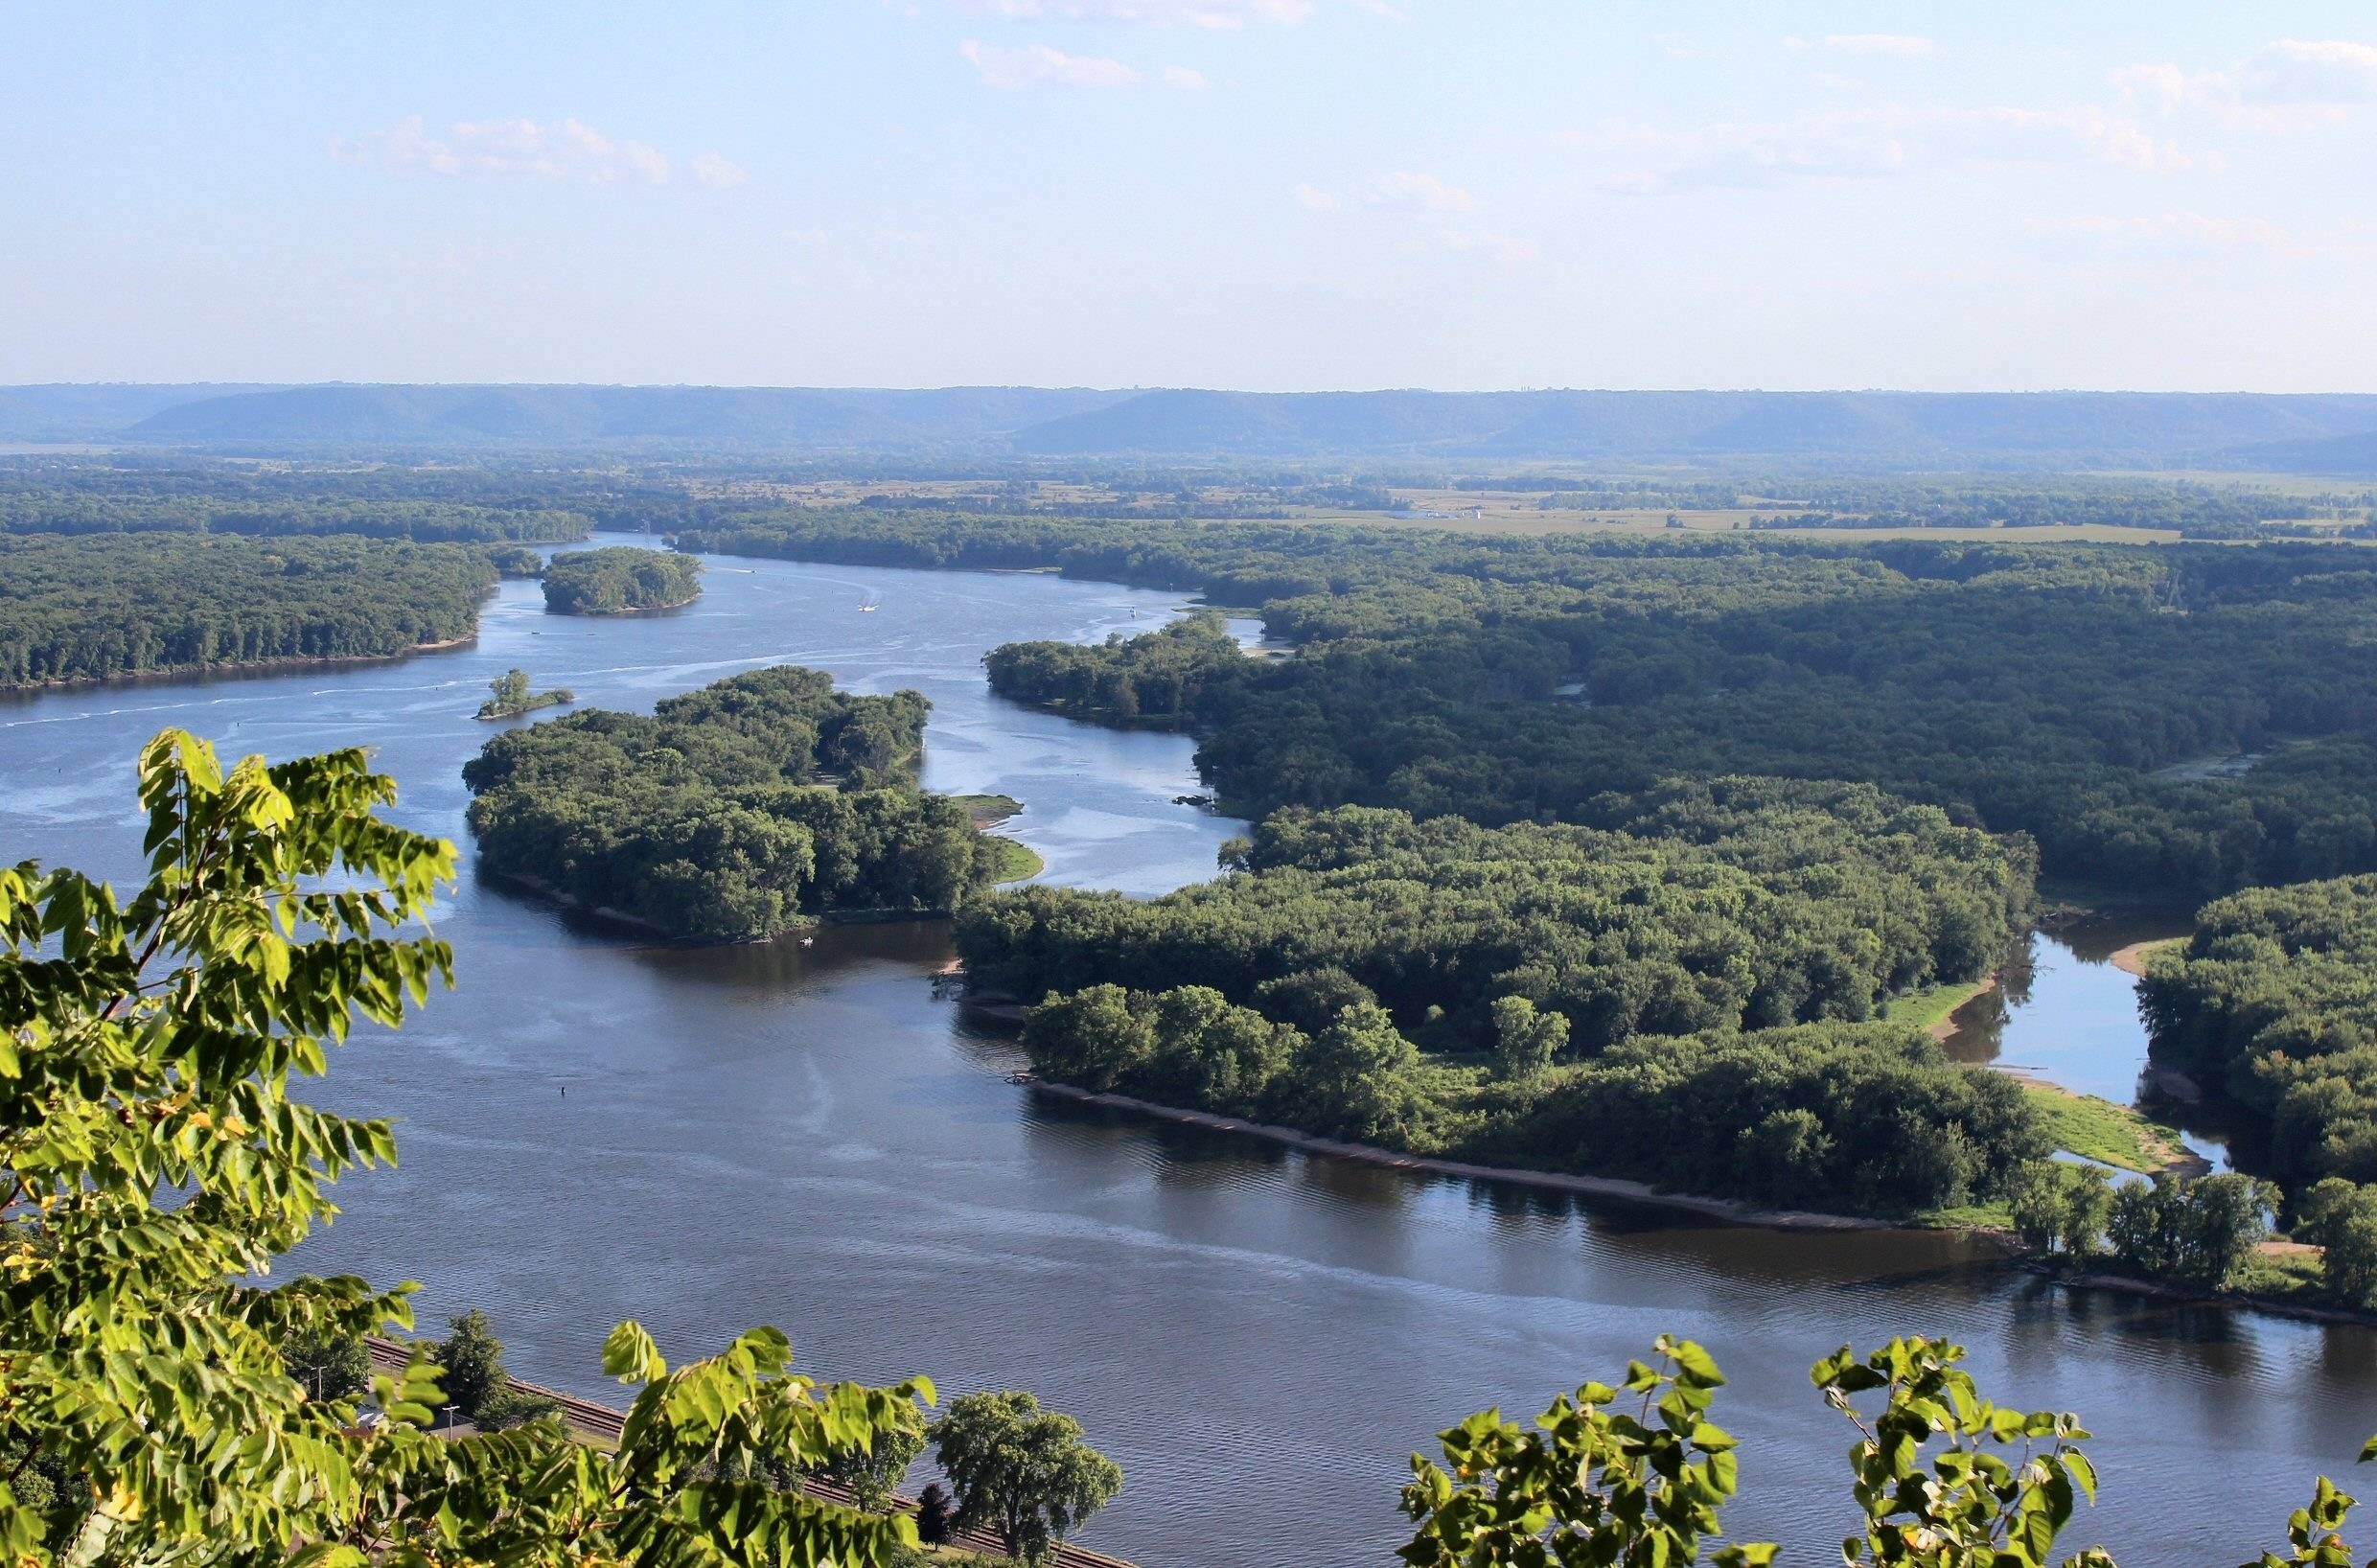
point(1023, 1472)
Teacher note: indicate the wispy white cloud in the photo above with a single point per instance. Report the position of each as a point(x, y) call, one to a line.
point(2291, 84)
point(1863, 143)
point(1905, 45)
point(1185, 80)
point(1227, 15)
point(717, 173)
point(1433, 216)
point(1412, 192)
point(1038, 65)
point(1510, 249)
point(568, 149)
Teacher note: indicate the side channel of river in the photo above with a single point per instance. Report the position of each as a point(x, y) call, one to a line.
point(810, 1137)
point(2062, 1011)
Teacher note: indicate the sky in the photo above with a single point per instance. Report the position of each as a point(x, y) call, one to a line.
point(1271, 195)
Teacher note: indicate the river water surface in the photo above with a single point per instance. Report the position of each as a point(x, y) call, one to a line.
point(593, 1127)
point(2062, 1010)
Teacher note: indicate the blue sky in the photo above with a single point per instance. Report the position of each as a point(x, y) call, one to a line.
point(1265, 193)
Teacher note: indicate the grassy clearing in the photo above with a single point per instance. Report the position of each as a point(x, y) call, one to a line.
point(1972, 1216)
point(1017, 862)
point(2099, 1130)
point(2285, 1271)
point(1929, 1008)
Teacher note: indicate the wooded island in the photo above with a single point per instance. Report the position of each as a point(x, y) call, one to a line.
point(619, 580)
point(733, 813)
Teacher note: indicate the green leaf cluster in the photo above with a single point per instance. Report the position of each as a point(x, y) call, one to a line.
point(1591, 1484)
point(1944, 1478)
point(161, 1401)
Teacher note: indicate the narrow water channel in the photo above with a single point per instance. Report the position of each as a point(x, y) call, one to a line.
point(2064, 1011)
point(809, 1136)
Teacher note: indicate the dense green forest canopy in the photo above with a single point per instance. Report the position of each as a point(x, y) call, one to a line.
point(2273, 1002)
point(1858, 1117)
point(620, 578)
point(2186, 719)
point(1716, 905)
point(87, 608)
point(731, 813)
point(116, 494)
point(1678, 1000)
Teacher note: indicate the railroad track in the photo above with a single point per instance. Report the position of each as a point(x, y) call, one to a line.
point(603, 1423)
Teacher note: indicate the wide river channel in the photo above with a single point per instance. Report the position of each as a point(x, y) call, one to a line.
point(810, 1136)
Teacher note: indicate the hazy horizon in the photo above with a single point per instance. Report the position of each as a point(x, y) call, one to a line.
point(2368, 390)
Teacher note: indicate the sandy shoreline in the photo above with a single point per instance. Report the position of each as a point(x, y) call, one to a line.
point(2086, 1279)
point(626, 610)
point(570, 901)
point(2132, 960)
point(1600, 1186)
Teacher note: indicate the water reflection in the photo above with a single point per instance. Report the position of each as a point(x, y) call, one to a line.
point(2062, 1011)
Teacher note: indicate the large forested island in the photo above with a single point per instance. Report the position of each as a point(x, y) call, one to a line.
point(1620, 1001)
point(89, 609)
point(620, 580)
point(733, 813)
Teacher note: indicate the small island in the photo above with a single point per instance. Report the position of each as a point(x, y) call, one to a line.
point(749, 808)
point(620, 580)
point(512, 697)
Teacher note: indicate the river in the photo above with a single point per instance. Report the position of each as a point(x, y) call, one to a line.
point(810, 1137)
point(2062, 1010)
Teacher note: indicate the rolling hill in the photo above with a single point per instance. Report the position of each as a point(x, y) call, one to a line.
point(2306, 434)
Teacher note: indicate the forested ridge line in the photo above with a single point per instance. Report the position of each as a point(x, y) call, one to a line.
point(2044, 689)
point(93, 608)
point(731, 813)
point(128, 496)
